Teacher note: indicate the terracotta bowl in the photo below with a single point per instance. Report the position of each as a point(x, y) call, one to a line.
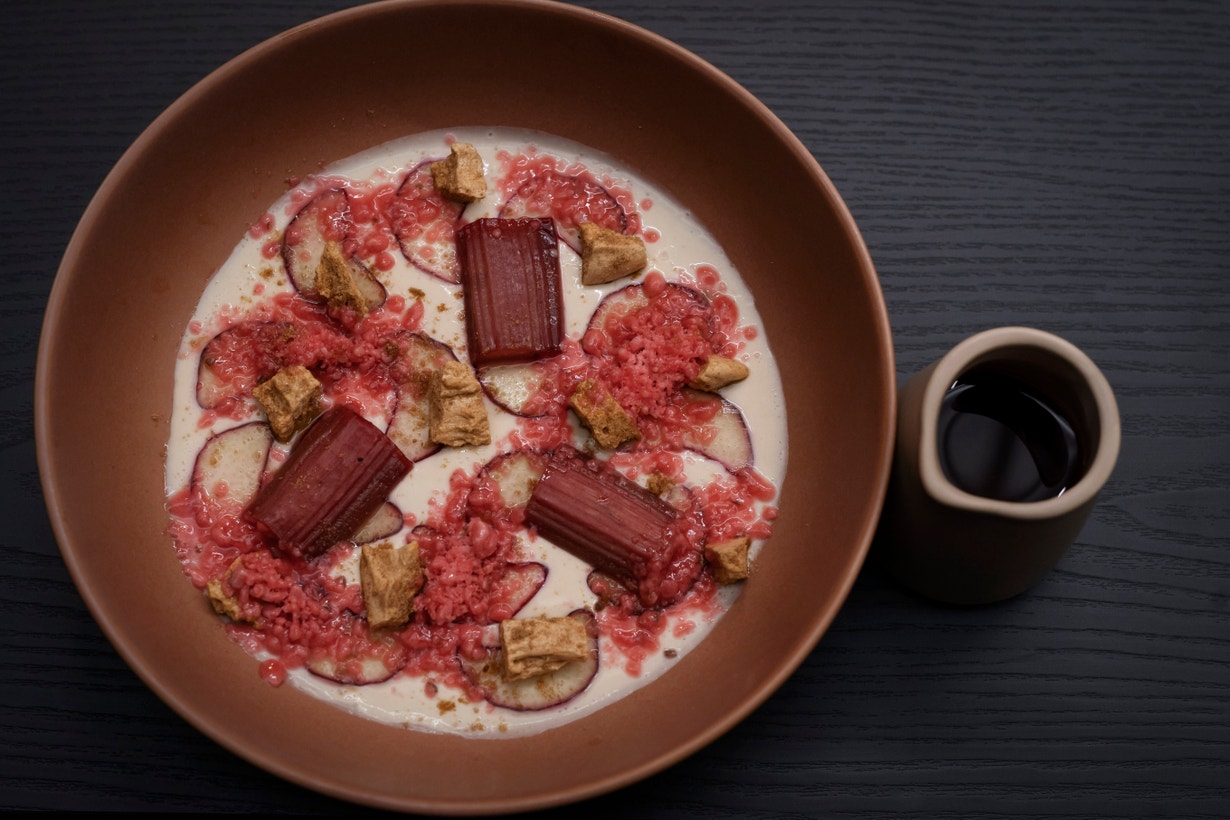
point(177, 202)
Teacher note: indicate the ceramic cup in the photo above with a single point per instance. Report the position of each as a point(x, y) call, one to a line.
point(962, 547)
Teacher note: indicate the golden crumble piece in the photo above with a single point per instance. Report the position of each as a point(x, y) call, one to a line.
point(607, 255)
point(390, 578)
point(728, 559)
point(718, 372)
point(290, 399)
point(609, 423)
point(336, 281)
point(538, 646)
point(459, 176)
point(456, 415)
point(659, 484)
point(223, 603)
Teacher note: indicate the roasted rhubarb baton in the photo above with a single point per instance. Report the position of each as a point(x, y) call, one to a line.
point(616, 526)
point(511, 285)
point(337, 475)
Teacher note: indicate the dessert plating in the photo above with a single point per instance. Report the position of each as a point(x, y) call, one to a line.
point(471, 312)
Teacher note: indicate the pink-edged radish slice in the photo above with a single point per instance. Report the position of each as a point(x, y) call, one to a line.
point(513, 475)
point(724, 437)
point(237, 359)
point(409, 426)
point(678, 301)
point(323, 221)
point(425, 224)
point(514, 590)
point(516, 388)
point(569, 201)
point(385, 522)
point(231, 463)
point(366, 663)
point(539, 692)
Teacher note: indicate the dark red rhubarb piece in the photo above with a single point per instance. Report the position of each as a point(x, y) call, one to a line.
point(336, 477)
point(513, 293)
point(616, 526)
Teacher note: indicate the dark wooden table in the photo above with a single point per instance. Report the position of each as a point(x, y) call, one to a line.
point(1060, 165)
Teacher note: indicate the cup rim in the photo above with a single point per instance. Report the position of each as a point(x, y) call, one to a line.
point(957, 361)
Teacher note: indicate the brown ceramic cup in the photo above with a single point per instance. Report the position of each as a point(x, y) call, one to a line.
point(959, 547)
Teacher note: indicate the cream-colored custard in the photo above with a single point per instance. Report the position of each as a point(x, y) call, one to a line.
point(677, 246)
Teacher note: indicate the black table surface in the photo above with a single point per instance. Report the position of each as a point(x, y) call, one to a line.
point(1059, 165)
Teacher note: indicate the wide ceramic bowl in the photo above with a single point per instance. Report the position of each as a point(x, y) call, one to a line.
point(178, 201)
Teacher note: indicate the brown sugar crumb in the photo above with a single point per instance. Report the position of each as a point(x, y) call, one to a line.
point(336, 282)
point(718, 372)
point(537, 646)
point(728, 559)
point(607, 255)
point(609, 423)
point(390, 578)
point(456, 413)
point(459, 176)
point(658, 484)
point(290, 399)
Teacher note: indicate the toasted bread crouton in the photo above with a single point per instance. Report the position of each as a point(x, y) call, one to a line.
point(336, 281)
point(538, 646)
point(609, 423)
point(728, 559)
point(607, 255)
point(459, 176)
point(391, 577)
point(290, 399)
point(456, 413)
point(718, 372)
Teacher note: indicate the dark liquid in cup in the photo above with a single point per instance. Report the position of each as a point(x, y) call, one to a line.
point(998, 439)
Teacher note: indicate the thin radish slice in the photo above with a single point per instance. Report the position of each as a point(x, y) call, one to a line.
point(237, 359)
point(569, 201)
point(231, 463)
point(514, 590)
point(541, 692)
point(384, 523)
point(516, 388)
point(409, 426)
point(620, 305)
point(513, 475)
point(372, 663)
point(724, 437)
point(325, 219)
point(425, 224)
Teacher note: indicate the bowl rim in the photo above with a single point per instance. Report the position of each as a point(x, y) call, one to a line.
point(47, 352)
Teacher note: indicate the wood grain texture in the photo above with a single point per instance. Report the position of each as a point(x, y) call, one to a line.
point(1059, 165)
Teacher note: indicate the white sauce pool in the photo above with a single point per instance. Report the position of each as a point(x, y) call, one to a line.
point(680, 245)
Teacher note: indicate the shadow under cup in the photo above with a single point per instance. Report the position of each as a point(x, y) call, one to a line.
point(947, 531)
